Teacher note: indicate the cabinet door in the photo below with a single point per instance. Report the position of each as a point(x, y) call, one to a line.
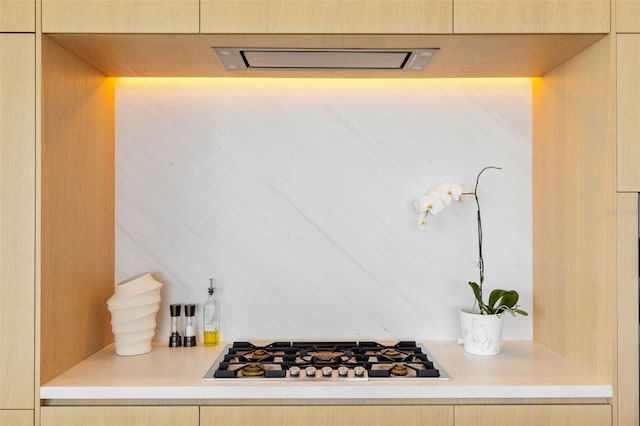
point(17, 16)
point(327, 416)
point(326, 16)
point(16, 417)
point(121, 416)
point(531, 16)
point(533, 415)
point(121, 16)
point(627, 354)
point(17, 220)
point(628, 112)
point(628, 16)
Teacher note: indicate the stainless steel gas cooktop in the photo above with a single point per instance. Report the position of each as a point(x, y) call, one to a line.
point(325, 361)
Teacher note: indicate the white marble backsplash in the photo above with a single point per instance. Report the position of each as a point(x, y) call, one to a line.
point(297, 195)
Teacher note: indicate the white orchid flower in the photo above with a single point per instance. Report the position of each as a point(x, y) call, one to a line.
point(431, 203)
point(436, 205)
point(449, 192)
point(422, 203)
point(428, 203)
point(422, 219)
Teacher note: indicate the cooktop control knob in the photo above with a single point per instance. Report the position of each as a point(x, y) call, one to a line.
point(294, 371)
point(326, 371)
point(311, 371)
point(343, 371)
point(359, 371)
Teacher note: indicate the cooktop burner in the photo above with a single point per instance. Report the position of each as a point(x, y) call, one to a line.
point(356, 361)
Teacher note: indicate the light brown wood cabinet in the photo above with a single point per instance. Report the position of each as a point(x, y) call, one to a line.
point(377, 415)
point(531, 16)
point(17, 16)
point(16, 417)
point(569, 92)
point(326, 16)
point(122, 16)
point(533, 415)
point(627, 16)
point(17, 221)
point(627, 354)
point(628, 112)
point(121, 416)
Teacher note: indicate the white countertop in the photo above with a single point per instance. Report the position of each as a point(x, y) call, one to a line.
point(522, 370)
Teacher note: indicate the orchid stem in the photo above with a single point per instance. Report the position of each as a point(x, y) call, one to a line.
point(475, 195)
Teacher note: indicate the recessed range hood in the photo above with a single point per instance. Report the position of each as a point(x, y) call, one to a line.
point(237, 59)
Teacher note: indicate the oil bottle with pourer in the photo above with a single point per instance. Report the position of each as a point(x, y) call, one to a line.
point(210, 315)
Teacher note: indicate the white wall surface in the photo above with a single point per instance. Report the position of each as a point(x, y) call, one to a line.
point(297, 195)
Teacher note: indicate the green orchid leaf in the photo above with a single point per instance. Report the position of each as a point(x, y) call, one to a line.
point(507, 300)
point(521, 312)
point(494, 297)
point(478, 294)
point(510, 298)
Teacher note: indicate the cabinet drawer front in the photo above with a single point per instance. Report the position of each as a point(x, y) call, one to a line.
point(121, 416)
point(16, 417)
point(327, 416)
point(533, 415)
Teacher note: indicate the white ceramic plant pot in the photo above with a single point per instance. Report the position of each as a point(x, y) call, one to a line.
point(481, 334)
point(133, 308)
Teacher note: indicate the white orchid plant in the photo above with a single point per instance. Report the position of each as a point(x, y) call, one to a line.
point(433, 202)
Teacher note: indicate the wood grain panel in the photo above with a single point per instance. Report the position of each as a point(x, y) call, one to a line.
point(17, 219)
point(121, 16)
point(326, 16)
point(574, 199)
point(627, 386)
point(77, 253)
point(16, 417)
point(627, 16)
point(120, 416)
point(628, 111)
point(533, 415)
point(192, 56)
point(327, 415)
point(17, 15)
point(531, 16)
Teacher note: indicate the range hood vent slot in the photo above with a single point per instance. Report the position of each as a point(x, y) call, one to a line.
point(237, 59)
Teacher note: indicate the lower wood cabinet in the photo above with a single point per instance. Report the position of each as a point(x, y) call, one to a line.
point(120, 416)
point(378, 415)
point(533, 415)
point(16, 417)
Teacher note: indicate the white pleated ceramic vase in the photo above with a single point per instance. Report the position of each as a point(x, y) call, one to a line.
point(133, 308)
point(481, 334)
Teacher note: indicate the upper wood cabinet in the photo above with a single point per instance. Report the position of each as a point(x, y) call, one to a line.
point(628, 112)
point(121, 16)
point(17, 219)
point(17, 16)
point(531, 16)
point(628, 16)
point(326, 16)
